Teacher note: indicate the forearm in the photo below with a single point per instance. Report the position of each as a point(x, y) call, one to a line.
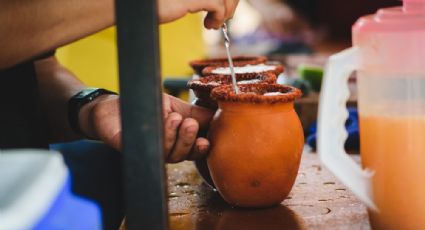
point(56, 86)
point(31, 27)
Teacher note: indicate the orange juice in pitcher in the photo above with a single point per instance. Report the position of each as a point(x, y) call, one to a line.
point(393, 147)
point(388, 54)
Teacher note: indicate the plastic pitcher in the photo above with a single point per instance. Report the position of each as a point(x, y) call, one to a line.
point(388, 54)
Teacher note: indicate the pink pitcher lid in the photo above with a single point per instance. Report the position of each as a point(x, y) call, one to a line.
point(392, 41)
point(410, 16)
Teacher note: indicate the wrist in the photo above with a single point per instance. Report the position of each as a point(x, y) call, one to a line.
point(88, 115)
point(81, 109)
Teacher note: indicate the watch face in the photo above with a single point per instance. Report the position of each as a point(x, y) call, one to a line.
point(84, 93)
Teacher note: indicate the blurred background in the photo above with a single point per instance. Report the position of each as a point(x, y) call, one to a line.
point(300, 34)
point(302, 29)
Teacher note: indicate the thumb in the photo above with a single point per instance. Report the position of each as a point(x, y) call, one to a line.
point(200, 114)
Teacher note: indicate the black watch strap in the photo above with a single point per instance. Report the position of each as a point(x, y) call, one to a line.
point(85, 96)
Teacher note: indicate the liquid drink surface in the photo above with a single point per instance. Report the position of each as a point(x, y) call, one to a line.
point(394, 148)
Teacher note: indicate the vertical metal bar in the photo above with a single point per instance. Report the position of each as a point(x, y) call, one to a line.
point(141, 111)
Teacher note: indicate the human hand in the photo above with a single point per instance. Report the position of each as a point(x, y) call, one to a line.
point(182, 121)
point(218, 10)
point(101, 119)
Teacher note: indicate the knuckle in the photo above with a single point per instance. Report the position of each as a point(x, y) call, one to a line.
point(187, 143)
point(174, 158)
point(169, 140)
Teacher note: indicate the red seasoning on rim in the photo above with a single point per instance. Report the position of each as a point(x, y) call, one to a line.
point(257, 93)
point(202, 87)
point(199, 65)
point(245, 69)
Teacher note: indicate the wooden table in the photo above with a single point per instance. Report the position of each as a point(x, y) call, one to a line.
point(317, 201)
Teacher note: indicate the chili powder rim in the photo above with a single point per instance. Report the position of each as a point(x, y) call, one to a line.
point(278, 69)
point(202, 83)
point(200, 64)
point(226, 93)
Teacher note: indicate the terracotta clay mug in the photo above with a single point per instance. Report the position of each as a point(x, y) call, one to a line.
point(202, 87)
point(256, 144)
point(199, 65)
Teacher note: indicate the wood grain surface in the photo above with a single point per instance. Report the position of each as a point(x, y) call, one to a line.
point(317, 201)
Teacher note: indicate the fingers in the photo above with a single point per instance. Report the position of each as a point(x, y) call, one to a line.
point(215, 19)
point(202, 115)
point(218, 10)
point(185, 139)
point(181, 128)
point(166, 106)
point(200, 149)
point(171, 125)
point(230, 8)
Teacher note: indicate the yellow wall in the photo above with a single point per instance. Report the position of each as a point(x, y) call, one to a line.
point(94, 59)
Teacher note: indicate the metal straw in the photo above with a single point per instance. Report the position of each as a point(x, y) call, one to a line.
point(229, 57)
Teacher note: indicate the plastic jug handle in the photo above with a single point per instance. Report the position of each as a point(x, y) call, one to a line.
point(331, 129)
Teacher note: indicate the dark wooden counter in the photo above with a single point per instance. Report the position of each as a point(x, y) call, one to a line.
point(317, 201)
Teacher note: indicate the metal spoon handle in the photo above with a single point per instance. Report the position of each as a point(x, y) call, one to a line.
point(229, 58)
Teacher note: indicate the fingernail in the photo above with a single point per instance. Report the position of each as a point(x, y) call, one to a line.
point(203, 148)
point(175, 124)
point(191, 130)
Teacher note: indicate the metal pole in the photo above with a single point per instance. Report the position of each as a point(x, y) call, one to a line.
point(141, 111)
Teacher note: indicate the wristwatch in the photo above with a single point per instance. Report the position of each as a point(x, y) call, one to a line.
point(77, 101)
